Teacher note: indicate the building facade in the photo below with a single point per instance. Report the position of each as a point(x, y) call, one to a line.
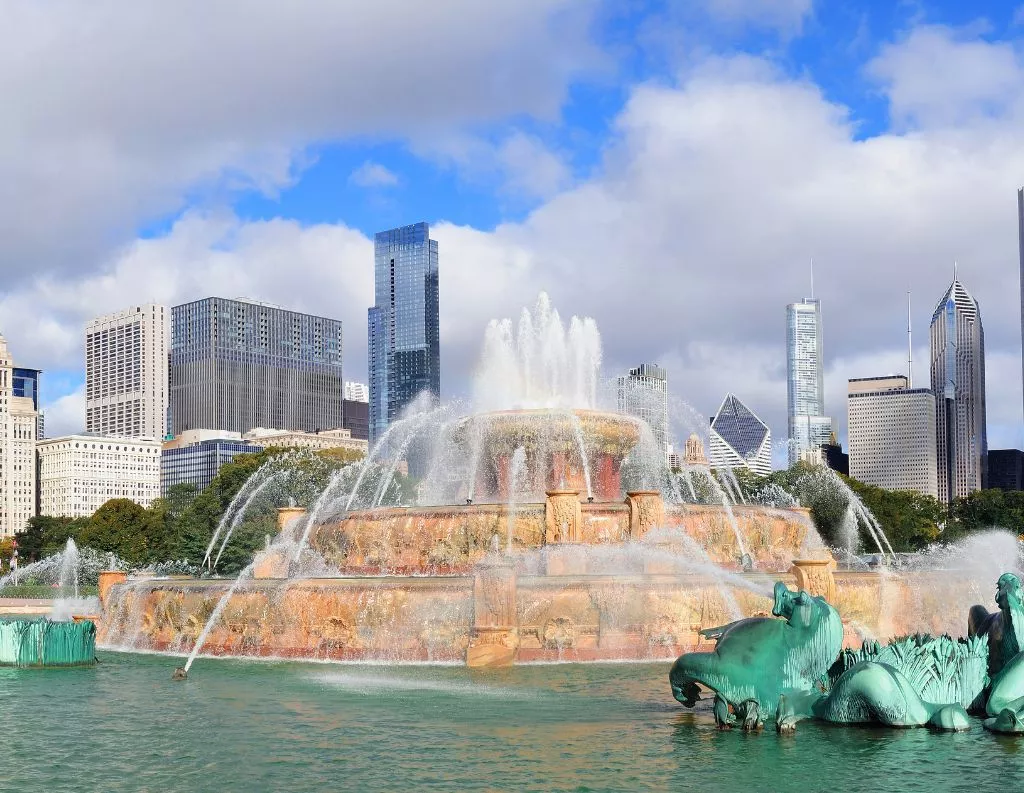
point(643, 393)
point(957, 341)
point(239, 364)
point(26, 384)
point(126, 373)
point(891, 429)
point(195, 457)
point(357, 418)
point(1006, 469)
point(79, 473)
point(357, 392)
point(403, 326)
point(319, 441)
point(18, 418)
point(739, 439)
point(809, 427)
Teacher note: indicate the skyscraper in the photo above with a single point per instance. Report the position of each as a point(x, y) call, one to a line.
point(25, 383)
point(239, 364)
point(404, 353)
point(17, 451)
point(891, 428)
point(739, 439)
point(958, 382)
point(809, 427)
point(1020, 245)
point(126, 373)
point(644, 393)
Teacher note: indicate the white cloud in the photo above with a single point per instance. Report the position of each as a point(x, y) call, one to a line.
point(66, 415)
point(373, 174)
point(114, 112)
point(938, 76)
point(685, 245)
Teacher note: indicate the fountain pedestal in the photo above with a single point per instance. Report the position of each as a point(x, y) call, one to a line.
point(814, 576)
point(494, 638)
point(563, 516)
point(646, 512)
point(286, 514)
point(107, 579)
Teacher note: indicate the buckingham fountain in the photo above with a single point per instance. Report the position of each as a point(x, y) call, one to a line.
point(541, 528)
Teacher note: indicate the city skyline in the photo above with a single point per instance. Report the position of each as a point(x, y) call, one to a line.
point(861, 162)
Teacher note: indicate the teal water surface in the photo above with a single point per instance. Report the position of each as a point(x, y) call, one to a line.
point(233, 725)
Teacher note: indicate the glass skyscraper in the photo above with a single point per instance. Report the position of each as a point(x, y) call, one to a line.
point(404, 351)
point(238, 364)
point(739, 439)
point(958, 382)
point(644, 393)
point(809, 427)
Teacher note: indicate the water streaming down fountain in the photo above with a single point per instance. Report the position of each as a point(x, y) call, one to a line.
point(607, 553)
point(518, 468)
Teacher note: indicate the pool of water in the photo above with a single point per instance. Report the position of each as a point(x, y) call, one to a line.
point(234, 725)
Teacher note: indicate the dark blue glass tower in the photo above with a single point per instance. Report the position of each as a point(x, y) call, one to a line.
point(404, 351)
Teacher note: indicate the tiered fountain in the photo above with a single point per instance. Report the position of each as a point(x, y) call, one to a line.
point(543, 529)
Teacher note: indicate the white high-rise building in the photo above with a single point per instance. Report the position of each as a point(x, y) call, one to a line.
point(78, 474)
point(126, 372)
point(739, 439)
point(18, 419)
point(809, 427)
point(357, 392)
point(891, 430)
point(643, 393)
point(958, 382)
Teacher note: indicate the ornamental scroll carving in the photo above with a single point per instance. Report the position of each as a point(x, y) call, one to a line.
point(563, 516)
point(814, 576)
point(646, 512)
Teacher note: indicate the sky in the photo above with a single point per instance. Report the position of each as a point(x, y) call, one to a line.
point(667, 168)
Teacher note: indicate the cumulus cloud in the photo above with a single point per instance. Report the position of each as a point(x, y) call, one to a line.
point(66, 415)
point(939, 76)
point(115, 112)
point(686, 244)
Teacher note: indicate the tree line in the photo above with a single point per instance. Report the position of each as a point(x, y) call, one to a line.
point(180, 525)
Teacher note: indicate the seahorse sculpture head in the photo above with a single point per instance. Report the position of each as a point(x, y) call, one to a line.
point(1010, 600)
point(759, 658)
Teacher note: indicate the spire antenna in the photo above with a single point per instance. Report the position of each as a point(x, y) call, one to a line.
point(812, 278)
point(910, 347)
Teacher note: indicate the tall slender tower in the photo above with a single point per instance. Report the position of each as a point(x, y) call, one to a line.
point(403, 326)
point(1020, 245)
point(958, 382)
point(809, 427)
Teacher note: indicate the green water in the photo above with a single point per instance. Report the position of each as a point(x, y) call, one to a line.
point(125, 726)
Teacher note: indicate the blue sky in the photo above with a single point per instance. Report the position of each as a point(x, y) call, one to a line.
point(666, 167)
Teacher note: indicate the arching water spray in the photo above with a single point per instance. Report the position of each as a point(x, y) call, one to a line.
point(241, 511)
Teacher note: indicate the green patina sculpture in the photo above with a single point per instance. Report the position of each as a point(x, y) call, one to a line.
point(1005, 632)
point(793, 669)
point(757, 660)
point(46, 643)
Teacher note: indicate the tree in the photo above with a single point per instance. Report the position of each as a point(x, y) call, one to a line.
point(46, 535)
point(986, 509)
point(121, 527)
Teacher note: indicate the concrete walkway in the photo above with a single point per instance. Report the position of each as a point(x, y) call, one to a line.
point(24, 607)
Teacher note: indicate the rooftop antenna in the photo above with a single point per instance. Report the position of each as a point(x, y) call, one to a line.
point(812, 278)
point(954, 270)
point(910, 348)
